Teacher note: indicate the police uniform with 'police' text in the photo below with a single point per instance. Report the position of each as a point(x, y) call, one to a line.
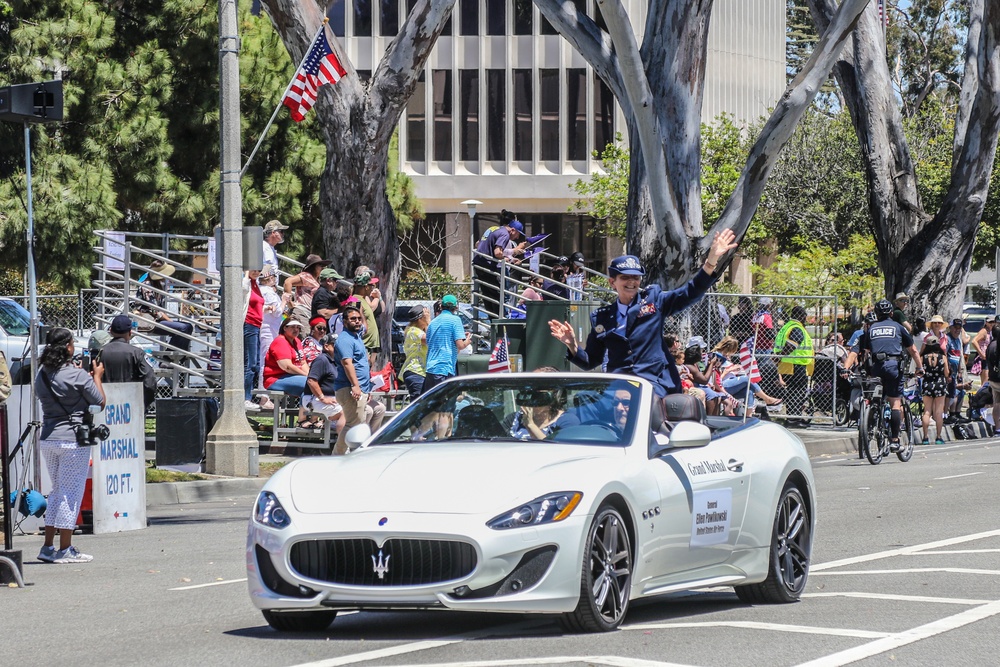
point(886, 340)
point(632, 334)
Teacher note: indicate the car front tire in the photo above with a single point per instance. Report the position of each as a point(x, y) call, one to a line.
point(789, 554)
point(606, 577)
point(299, 621)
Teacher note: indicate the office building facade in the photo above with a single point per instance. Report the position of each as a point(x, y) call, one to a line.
point(508, 113)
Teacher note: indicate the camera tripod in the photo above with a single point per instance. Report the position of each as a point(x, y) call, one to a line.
point(6, 459)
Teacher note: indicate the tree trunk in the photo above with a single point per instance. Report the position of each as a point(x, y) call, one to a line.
point(927, 257)
point(359, 226)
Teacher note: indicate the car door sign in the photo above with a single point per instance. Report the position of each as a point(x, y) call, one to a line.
point(706, 467)
point(710, 518)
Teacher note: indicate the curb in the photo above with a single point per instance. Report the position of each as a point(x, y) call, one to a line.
point(178, 493)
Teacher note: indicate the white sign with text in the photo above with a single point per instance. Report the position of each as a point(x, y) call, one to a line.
point(120, 462)
point(114, 249)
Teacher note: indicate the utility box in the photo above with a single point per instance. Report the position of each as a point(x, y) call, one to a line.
point(540, 348)
point(182, 427)
point(470, 364)
point(515, 335)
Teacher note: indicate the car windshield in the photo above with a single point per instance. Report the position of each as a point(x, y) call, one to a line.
point(538, 406)
point(14, 319)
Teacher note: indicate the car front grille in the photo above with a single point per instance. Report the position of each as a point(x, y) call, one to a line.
point(399, 562)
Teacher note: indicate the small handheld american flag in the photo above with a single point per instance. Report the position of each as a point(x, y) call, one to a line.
point(319, 67)
point(499, 360)
point(748, 362)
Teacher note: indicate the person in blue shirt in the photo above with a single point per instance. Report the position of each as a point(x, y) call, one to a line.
point(354, 382)
point(445, 337)
point(630, 329)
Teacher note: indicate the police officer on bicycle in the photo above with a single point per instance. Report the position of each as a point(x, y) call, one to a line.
point(886, 341)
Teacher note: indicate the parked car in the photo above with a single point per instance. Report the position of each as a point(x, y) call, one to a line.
point(624, 497)
point(15, 324)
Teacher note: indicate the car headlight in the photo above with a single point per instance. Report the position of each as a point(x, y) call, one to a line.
point(269, 511)
point(547, 509)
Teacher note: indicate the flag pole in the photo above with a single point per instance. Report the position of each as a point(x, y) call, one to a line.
point(281, 101)
point(753, 361)
point(506, 344)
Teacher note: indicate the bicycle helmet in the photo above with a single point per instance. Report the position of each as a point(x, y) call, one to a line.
point(870, 318)
point(883, 309)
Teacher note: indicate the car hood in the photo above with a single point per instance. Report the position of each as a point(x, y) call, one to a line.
point(445, 478)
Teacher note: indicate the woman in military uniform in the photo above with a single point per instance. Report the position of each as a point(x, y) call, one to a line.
point(630, 329)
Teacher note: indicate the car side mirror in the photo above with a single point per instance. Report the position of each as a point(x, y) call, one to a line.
point(357, 436)
point(690, 434)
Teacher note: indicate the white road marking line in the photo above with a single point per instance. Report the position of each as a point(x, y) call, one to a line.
point(914, 570)
point(214, 583)
point(956, 552)
point(897, 640)
point(903, 551)
point(608, 660)
point(899, 598)
point(968, 474)
point(830, 461)
point(754, 625)
point(414, 647)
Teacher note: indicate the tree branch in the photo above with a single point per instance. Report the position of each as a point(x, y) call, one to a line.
point(661, 192)
point(970, 80)
point(779, 128)
point(393, 82)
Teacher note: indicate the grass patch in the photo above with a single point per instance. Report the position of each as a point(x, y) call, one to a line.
point(268, 468)
point(154, 475)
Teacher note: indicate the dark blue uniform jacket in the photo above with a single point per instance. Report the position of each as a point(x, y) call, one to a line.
point(638, 347)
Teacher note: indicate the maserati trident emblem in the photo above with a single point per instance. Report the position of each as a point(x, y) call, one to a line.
point(380, 566)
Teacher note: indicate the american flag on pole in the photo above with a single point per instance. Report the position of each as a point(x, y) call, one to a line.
point(748, 362)
point(499, 360)
point(320, 66)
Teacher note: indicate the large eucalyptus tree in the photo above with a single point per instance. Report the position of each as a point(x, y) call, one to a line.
point(660, 86)
point(926, 254)
point(358, 120)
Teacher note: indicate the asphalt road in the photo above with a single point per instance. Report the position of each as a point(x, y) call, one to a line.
point(906, 571)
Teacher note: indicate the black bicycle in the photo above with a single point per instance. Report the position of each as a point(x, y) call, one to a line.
point(874, 425)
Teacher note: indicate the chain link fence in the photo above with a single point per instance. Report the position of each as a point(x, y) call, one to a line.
point(807, 375)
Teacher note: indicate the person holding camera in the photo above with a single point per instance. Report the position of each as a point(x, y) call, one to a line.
point(66, 393)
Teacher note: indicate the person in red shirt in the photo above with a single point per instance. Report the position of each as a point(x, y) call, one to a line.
point(285, 367)
point(253, 302)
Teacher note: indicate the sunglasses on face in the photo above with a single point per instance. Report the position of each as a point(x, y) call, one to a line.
point(320, 327)
point(624, 402)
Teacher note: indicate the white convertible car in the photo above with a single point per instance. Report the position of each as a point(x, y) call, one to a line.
point(549, 493)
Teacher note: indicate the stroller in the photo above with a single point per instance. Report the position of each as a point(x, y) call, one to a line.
point(822, 397)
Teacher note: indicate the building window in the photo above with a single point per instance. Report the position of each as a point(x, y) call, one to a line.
point(522, 114)
point(546, 28)
point(416, 148)
point(362, 18)
point(441, 89)
point(337, 17)
point(496, 125)
point(522, 16)
point(468, 114)
point(364, 75)
point(548, 130)
point(604, 115)
point(389, 18)
point(496, 15)
point(576, 114)
point(599, 17)
point(468, 17)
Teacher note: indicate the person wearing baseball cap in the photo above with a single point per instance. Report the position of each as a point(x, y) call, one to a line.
point(285, 367)
point(492, 250)
point(900, 304)
point(630, 329)
point(324, 300)
point(273, 235)
point(124, 362)
point(446, 336)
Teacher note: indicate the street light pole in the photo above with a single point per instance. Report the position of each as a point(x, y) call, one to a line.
point(471, 205)
point(230, 442)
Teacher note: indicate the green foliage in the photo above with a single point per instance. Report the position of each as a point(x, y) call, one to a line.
point(817, 190)
point(926, 42)
point(605, 195)
point(431, 283)
point(850, 274)
point(401, 192)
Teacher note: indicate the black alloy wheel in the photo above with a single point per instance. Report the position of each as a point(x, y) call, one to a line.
point(606, 577)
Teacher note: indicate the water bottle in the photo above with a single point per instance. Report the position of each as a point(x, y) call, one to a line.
point(887, 412)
